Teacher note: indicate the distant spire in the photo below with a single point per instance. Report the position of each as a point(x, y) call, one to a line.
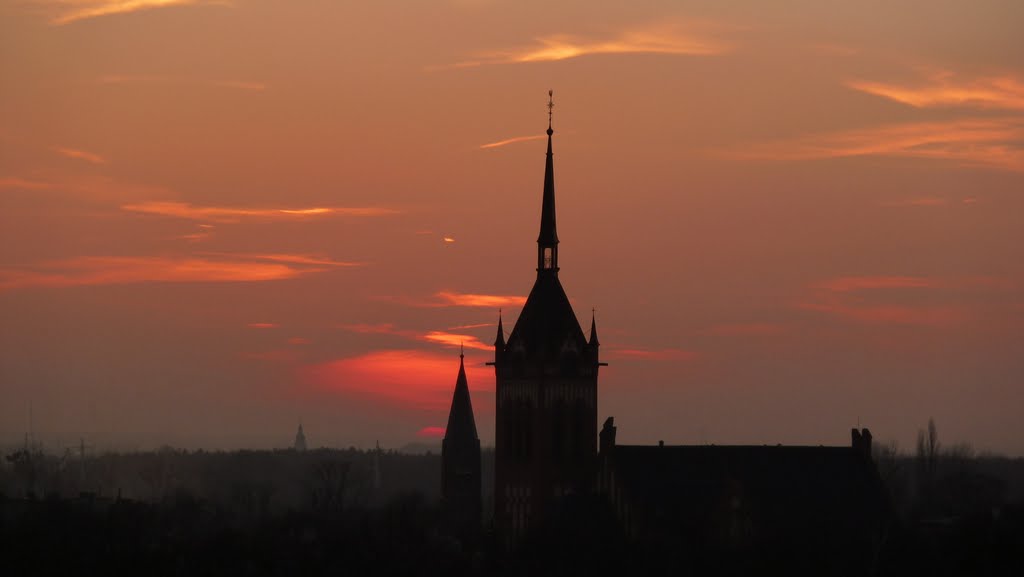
point(499, 341)
point(593, 328)
point(548, 239)
point(300, 439)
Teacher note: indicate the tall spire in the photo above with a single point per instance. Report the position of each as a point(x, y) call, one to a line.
point(461, 424)
point(547, 241)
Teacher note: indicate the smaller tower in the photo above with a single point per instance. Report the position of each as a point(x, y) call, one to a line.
point(460, 464)
point(300, 439)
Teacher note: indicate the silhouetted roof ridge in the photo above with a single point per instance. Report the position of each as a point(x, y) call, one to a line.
point(716, 446)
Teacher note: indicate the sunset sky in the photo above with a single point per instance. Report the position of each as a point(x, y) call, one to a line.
point(221, 218)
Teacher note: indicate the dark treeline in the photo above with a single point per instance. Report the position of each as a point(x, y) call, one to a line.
point(335, 512)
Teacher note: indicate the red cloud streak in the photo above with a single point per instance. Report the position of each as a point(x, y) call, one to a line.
point(106, 270)
point(407, 378)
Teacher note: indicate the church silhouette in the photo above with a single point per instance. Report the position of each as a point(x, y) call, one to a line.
point(824, 505)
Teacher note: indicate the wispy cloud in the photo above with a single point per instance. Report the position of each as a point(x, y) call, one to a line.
point(76, 154)
point(888, 300)
point(227, 214)
point(917, 201)
point(479, 300)
point(262, 325)
point(513, 140)
point(161, 79)
point(456, 340)
point(296, 259)
point(923, 316)
point(977, 142)
point(15, 183)
point(643, 354)
point(945, 90)
point(455, 299)
point(241, 85)
point(847, 284)
point(68, 11)
point(692, 39)
point(109, 270)
point(747, 330)
point(443, 337)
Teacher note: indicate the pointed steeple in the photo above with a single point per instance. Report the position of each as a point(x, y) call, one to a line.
point(461, 424)
point(593, 329)
point(547, 241)
point(499, 341)
point(300, 440)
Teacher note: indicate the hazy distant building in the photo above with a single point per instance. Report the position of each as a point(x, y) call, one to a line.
point(300, 440)
point(546, 388)
point(460, 463)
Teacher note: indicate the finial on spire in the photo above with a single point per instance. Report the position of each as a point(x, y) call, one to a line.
point(462, 350)
point(551, 106)
point(499, 341)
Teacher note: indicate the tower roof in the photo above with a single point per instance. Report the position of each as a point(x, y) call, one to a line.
point(461, 424)
point(547, 325)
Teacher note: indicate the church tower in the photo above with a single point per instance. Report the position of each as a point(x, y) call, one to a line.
point(460, 463)
point(546, 389)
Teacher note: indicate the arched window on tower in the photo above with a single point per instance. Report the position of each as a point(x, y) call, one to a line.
point(549, 260)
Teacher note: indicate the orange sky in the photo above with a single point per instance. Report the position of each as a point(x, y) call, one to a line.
point(219, 218)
